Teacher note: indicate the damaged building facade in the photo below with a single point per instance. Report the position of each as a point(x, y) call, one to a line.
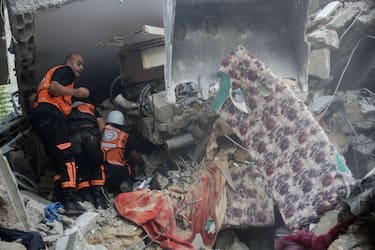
point(260, 116)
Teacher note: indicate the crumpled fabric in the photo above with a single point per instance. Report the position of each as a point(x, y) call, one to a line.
point(200, 211)
point(31, 240)
point(285, 141)
point(154, 211)
point(50, 212)
point(309, 241)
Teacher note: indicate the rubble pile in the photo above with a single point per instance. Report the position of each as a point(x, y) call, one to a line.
point(254, 152)
point(340, 33)
point(341, 96)
point(349, 122)
point(340, 91)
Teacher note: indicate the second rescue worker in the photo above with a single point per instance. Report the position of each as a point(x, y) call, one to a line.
point(52, 105)
point(86, 126)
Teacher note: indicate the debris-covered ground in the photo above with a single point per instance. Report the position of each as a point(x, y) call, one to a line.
point(262, 164)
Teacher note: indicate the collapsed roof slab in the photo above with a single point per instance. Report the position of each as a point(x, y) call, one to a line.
point(26, 6)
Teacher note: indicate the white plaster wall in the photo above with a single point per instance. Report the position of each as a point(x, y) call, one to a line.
point(76, 27)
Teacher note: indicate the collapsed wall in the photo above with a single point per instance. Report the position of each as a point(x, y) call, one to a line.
point(341, 71)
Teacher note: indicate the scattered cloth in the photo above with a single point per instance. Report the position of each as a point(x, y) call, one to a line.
point(31, 240)
point(174, 224)
point(51, 211)
point(308, 241)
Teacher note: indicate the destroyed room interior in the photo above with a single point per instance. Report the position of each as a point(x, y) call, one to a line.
point(187, 124)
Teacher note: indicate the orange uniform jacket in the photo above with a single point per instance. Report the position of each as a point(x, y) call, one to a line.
point(113, 145)
point(44, 96)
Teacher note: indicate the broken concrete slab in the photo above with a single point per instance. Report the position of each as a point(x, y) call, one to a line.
point(20, 7)
point(328, 10)
point(320, 63)
point(343, 19)
point(83, 224)
point(162, 110)
point(368, 18)
point(324, 38)
point(326, 222)
point(12, 209)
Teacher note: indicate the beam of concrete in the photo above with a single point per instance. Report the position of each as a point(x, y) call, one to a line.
point(12, 209)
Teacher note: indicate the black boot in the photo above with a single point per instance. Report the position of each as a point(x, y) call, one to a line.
point(57, 192)
point(100, 197)
point(85, 194)
point(70, 202)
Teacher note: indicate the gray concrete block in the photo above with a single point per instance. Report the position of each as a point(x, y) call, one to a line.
point(324, 38)
point(320, 63)
point(12, 210)
point(163, 111)
point(72, 238)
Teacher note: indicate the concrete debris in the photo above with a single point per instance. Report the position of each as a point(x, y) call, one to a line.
point(349, 122)
point(353, 241)
point(320, 103)
point(34, 206)
point(344, 18)
point(320, 63)
point(162, 110)
point(328, 10)
point(362, 198)
point(228, 240)
point(346, 116)
point(368, 19)
point(115, 233)
point(21, 7)
point(72, 236)
point(326, 222)
point(363, 144)
point(12, 209)
point(52, 229)
point(324, 38)
point(11, 245)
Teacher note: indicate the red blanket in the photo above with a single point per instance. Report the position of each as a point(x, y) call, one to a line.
point(157, 212)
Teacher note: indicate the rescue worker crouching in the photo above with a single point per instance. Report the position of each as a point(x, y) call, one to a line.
point(115, 145)
point(48, 116)
point(86, 126)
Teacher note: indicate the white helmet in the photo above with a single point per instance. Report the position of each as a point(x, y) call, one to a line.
point(116, 117)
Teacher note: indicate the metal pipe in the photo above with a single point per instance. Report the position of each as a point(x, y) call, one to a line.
point(179, 141)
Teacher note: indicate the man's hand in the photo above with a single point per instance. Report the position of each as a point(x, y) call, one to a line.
point(56, 89)
point(81, 92)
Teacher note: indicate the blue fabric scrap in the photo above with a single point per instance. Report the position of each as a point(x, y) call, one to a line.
point(50, 212)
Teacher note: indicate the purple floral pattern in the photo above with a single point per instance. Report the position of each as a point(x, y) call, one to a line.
point(284, 139)
point(251, 203)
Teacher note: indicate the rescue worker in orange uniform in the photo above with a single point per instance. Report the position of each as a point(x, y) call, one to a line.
point(86, 126)
point(115, 145)
point(51, 107)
